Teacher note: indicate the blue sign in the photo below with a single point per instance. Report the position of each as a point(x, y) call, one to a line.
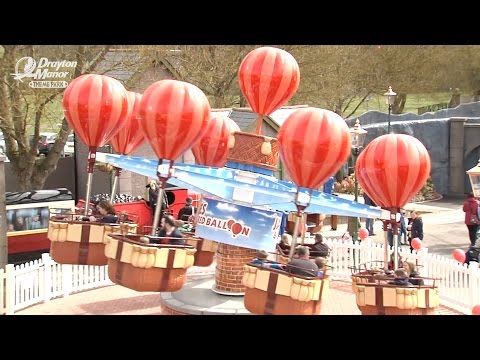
point(238, 225)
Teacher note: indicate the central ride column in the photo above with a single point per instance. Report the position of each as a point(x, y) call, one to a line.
point(256, 154)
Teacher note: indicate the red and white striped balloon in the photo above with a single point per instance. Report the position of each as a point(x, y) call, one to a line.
point(130, 137)
point(212, 149)
point(314, 144)
point(392, 169)
point(175, 115)
point(268, 77)
point(96, 108)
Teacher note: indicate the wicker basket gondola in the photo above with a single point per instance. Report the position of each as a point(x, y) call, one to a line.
point(82, 242)
point(147, 267)
point(381, 298)
point(275, 292)
point(256, 150)
point(206, 250)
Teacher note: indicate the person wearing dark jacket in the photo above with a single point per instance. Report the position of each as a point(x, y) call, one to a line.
point(187, 211)
point(302, 265)
point(153, 192)
point(401, 278)
point(413, 275)
point(319, 248)
point(107, 213)
point(170, 231)
point(416, 227)
point(470, 208)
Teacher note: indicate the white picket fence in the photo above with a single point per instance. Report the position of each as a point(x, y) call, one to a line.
point(42, 280)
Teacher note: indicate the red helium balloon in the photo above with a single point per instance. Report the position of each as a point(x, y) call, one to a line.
point(363, 233)
point(130, 137)
point(236, 228)
point(174, 115)
point(416, 243)
point(268, 77)
point(459, 255)
point(212, 148)
point(95, 107)
point(392, 169)
point(314, 144)
point(476, 310)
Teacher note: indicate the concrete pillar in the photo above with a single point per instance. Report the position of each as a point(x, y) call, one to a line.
point(456, 184)
point(229, 270)
point(3, 217)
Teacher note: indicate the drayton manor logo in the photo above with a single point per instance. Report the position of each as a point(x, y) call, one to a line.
point(43, 71)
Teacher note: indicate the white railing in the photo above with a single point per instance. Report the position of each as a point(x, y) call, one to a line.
point(459, 284)
point(41, 280)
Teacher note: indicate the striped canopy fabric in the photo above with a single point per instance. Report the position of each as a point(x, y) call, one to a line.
point(96, 107)
point(314, 144)
point(174, 116)
point(130, 137)
point(392, 169)
point(268, 78)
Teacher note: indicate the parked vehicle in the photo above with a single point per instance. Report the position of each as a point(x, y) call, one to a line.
point(69, 148)
point(45, 142)
point(2, 144)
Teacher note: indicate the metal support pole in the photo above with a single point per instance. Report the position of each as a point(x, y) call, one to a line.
point(158, 207)
point(389, 112)
point(395, 246)
point(298, 216)
point(115, 183)
point(3, 219)
point(355, 226)
point(91, 163)
point(385, 248)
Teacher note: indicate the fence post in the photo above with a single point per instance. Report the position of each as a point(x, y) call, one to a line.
point(422, 256)
point(473, 283)
point(47, 277)
point(10, 289)
point(66, 279)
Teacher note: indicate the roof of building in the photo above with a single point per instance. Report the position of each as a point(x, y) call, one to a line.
point(279, 116)
point(246, 118)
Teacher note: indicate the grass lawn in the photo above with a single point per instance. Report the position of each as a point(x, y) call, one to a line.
point(414, 101)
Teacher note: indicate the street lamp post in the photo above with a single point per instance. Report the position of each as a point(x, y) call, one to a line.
point(389, 100)
point(474, 175)
point(358, 136)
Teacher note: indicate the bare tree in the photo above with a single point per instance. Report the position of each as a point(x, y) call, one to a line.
point(214, 69)
point(25, 111)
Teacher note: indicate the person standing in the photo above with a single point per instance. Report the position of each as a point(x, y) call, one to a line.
point(328, 188)
point(369, 222)
point(187, 211)
point(416, 227)
point(470, 208)
point(153, 191)
point(403, 228)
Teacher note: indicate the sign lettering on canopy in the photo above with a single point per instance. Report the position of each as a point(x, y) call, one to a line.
point(238, 225)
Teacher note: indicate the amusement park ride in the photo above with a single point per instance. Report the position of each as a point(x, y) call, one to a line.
point(242, 202)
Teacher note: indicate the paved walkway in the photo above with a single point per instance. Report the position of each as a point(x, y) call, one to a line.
point(118, 300)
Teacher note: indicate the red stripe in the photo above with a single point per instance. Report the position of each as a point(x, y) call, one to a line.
point(393, 168)
point(95, 107)
point(268, 78)
point(174, 115)
point(314, 144)
point(130, 132)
